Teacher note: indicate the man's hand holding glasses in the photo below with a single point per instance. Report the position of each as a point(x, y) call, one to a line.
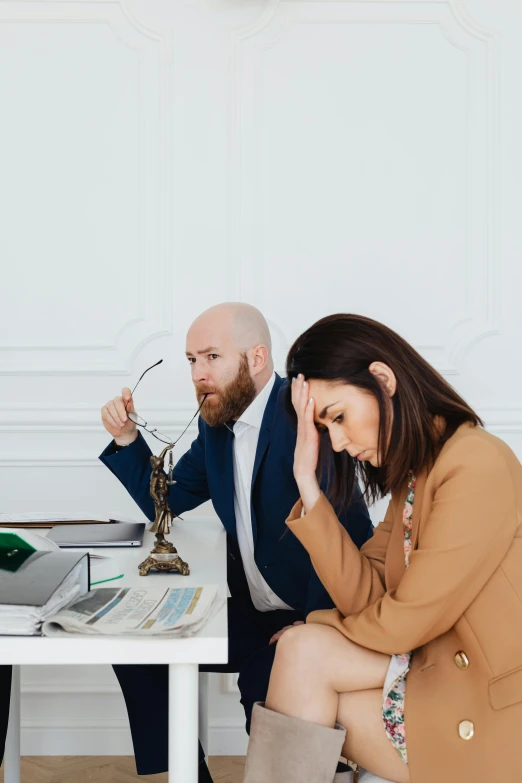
point(120, 419)
point(116, 420)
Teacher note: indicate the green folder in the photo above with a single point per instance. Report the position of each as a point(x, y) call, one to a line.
point(14, 551)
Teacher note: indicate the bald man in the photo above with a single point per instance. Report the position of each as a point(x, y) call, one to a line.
point(242, 460)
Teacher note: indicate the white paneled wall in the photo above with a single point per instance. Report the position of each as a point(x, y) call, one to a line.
point(307, 156)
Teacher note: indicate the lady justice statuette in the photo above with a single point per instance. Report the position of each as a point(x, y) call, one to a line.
point(164, 556)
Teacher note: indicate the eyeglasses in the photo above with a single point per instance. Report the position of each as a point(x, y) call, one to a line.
point(140, 422)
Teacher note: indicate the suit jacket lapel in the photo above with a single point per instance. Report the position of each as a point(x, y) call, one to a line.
point(225, 467)
point(266, 427)
point(263, 443)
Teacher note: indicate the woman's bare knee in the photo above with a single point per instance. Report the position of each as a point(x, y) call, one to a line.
point(323, 653)
point(302, 646)
point(308, 644)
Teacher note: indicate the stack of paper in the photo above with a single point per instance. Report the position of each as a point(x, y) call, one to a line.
point(37, 579)
point(46, 519)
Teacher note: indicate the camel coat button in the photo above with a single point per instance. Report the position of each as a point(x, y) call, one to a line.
point(462, 660)
point(466, 729)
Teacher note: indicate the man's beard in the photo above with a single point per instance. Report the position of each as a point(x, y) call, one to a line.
point(231, 401)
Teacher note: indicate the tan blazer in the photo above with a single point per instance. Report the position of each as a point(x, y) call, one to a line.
point(458, 606)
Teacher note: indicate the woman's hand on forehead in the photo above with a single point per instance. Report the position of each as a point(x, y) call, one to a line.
point(306, 453)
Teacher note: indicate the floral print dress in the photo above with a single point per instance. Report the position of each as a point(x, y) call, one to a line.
point(395, 684)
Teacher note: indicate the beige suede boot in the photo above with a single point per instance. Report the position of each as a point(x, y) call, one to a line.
point(288, 750)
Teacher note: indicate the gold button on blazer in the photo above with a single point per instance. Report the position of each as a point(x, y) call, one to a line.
point(461, 659)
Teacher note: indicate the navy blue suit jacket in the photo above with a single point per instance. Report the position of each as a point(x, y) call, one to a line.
point(205, 472)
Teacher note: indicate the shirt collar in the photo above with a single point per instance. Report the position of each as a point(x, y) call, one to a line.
point(253, 415)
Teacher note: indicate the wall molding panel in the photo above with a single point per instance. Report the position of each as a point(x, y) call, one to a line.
point(145, 70)
point(256, 98)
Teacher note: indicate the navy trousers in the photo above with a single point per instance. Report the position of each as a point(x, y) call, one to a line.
point(5, 698)
point(250, 654)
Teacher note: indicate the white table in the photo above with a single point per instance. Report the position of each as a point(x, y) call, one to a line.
point(203, 546)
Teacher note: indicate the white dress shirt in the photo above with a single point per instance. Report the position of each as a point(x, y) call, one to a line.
point(246, 436)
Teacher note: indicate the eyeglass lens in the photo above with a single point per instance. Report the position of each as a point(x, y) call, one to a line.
point(140, 422)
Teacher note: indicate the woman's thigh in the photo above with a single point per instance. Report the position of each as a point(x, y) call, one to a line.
point(366, 741)
point(319, 653)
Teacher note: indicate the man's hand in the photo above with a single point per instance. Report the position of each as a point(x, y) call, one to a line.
point(278, 635)
point(115, 419)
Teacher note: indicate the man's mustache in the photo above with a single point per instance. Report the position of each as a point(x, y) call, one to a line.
point(200, 392)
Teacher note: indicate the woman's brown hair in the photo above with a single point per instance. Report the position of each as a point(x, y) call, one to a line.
point(340, 348)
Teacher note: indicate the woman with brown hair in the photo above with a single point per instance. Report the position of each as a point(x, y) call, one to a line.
point(417, 674)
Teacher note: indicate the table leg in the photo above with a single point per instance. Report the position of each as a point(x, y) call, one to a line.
point(183, 722)
point(204, 679)
point(12, 745)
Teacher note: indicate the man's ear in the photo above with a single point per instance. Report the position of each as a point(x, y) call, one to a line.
point(259, 358)
point(385, 376)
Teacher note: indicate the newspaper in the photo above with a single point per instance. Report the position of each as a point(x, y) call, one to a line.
point(137, 611)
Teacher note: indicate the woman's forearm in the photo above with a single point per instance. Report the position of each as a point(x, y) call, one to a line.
point(309, 490)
